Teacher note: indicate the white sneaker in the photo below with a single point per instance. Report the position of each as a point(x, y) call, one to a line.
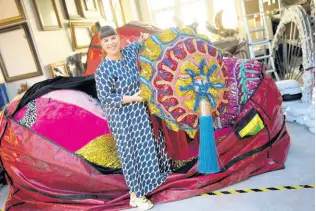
point(142, 203)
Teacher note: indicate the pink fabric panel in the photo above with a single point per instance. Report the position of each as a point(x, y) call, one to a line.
point(70, 126)
point(77, 98)
point(20, 114)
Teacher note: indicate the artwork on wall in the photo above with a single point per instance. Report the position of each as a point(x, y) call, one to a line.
point(23, 88)
point(108, 12)
point(10, 12)
point(117, 12)
point(58, 69)
point(101, 8)
point(73, 9)
point(25, 63)
point(47, 13)
point(77, 64)
point(81, 34)
point(90, 5)
point(91, 9)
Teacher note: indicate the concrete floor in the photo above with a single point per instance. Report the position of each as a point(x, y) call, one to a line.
point(300, 170)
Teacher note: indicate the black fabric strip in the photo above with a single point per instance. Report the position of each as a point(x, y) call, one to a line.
point(15, 192)
point(276, 160)
point(68, 197)
point(264, 111)
point(256, 190)
point(243, 122)
point(104, 169)
point(14, 205)
point(2, 175)
point(95, 46)
point(254, 151)
point(184, 169)
point(268, 131)
point(5, 172)
point(81, 83)
point(307, 186)
point(5, 128)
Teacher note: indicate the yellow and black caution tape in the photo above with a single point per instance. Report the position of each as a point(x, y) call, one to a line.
point(256, 190)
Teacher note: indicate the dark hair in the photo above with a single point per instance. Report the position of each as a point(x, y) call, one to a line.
point(106, 31)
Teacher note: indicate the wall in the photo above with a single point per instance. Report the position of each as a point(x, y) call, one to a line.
point(52, 46)
point(144, 9)
point(252, 6)
point(108, 12)
point(129, 10)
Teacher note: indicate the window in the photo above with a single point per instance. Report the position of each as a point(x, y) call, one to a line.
point(177, 12)
point(229, 18)
point(180, 13)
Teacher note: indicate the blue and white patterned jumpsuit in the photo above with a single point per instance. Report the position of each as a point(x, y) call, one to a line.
point(145, 163)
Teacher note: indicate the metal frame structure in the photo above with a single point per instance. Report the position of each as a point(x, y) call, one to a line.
point(266, 41)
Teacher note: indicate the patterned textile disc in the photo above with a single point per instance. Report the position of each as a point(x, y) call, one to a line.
point(178, 69)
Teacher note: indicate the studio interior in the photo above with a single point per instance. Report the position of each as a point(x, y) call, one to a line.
point(157, 104)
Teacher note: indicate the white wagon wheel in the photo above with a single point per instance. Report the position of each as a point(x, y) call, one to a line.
point(294, 49)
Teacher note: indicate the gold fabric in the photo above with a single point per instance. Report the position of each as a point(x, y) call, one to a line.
point(176, 164)
point(191, 133)
point(101, 151)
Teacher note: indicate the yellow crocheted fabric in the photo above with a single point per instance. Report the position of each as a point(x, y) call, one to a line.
point(253, 127)
point(101, 151)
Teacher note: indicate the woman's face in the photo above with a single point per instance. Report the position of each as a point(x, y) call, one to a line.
point(111, 44)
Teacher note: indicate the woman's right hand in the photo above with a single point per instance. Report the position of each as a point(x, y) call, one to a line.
point(137, 97)
point(134, 98)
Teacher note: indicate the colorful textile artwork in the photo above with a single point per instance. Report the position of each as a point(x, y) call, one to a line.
point(65, 116)
point(75, 121)
point(51, 161)
point(178, 70)
point(243, 78)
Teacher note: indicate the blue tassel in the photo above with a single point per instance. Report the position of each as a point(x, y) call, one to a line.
point(208, 162)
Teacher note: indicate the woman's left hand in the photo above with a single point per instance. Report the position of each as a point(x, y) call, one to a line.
point(143, 37)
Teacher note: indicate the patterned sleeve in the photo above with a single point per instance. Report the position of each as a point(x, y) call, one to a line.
point(105, 88)
point(134, 47)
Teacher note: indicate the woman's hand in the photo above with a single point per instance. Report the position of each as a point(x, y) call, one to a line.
point(143, 37)
point(135, 98)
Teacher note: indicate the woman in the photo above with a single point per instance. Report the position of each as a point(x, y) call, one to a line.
point(145, 163)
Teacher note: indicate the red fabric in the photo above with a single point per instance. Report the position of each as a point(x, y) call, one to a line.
point(176, 142)
point(44, 176)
